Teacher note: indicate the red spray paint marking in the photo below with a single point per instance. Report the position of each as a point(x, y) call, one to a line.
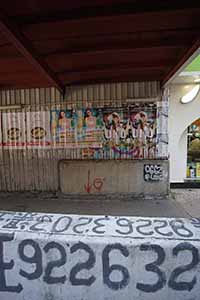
point(88, 186)
point(97, 184)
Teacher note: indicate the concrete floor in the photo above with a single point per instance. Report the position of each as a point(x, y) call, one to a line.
point(180, 203)
point(189, 200)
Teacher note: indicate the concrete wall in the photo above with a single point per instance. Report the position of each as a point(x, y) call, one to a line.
point(59, 257)
point(180, 117)
point(143, 177)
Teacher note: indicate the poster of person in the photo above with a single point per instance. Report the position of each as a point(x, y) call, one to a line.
point(143, 130)
point(14, 130)
point(63, 128)
point(115, 121)
point(89, 128)
point(116, 132)
point(130, 132)
point(38, 129)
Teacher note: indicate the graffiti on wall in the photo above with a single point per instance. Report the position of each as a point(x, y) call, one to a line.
point(153, 172)
point(95, 183)
point(144, 257)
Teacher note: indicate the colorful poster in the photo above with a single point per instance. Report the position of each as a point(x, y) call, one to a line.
point(63, 128)
point(89, 128)
point(143, 131)
point(38, 129)
point(101, 133)
point(130, 132)
point(116, 126)
point(76, 128)
point(14, 131)
point(121, 132)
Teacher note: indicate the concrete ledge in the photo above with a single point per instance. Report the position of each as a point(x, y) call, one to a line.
point(185, 185)
point(135, 177)
point(59, 257)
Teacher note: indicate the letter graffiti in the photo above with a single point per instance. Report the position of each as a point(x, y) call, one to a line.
point(153, 173)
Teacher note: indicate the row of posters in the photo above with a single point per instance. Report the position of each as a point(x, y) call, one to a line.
point(125, 131)
point(30, 129)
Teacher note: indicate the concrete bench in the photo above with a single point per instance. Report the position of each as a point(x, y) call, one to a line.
point(61, 257)
point(114, 177)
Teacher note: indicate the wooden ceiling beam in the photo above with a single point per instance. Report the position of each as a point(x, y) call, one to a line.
point(168, 39)
point(186, 55)
point(135, 23)
point(119, 42)
point(21, 67)
point(115, 79)
point(144, 66)
point(123, 73)
point(15, 37)
point(83, 9)
point(153, 73)
point(139, 57)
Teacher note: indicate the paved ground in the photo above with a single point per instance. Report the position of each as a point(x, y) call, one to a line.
point(189, 200)
point(180, 203)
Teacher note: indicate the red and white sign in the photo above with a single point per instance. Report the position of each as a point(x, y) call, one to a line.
point(38, 129)
point(14, 135)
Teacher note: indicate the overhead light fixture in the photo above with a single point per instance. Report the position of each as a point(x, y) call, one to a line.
point(191, 95)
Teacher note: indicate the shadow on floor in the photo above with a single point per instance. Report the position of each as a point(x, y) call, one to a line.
point(55, 203)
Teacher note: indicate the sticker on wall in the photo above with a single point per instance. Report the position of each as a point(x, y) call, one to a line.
point(14, 130)
point(162, 127)
point(38, 129)
point(153, 172)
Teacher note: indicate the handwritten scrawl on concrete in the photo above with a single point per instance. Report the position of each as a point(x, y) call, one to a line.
point(153, 172)
point(49, 256)
point(94, 183)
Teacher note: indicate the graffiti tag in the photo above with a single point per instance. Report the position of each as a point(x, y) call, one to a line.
point(153, 172)
point(96, 183)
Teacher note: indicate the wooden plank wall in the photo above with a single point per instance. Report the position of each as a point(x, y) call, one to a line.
point(37, 169)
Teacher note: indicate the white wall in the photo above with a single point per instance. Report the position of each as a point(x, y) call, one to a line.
point(180, 117)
